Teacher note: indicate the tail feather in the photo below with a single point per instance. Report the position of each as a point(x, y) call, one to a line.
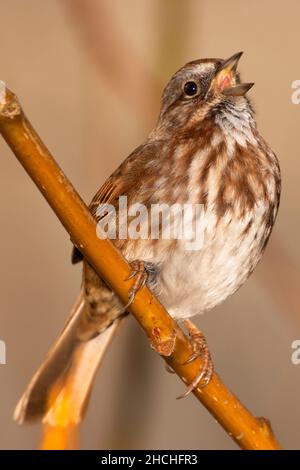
point(59, 391)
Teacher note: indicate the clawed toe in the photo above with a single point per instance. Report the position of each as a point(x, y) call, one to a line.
point(200, 350)
point(140, 276)
point(169, 369)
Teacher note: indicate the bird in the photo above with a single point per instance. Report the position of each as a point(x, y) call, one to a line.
point(204, 149)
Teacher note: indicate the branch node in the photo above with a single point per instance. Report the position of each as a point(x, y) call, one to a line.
point(163, 346)
point(9, 104)
point(266, 428)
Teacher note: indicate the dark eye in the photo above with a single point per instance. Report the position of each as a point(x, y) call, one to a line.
point(190, 88)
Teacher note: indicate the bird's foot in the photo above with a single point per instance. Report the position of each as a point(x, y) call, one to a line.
point(142, 272)
point(200, 350)
point(146, 273)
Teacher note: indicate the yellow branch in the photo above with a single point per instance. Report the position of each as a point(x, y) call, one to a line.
point(248, 432)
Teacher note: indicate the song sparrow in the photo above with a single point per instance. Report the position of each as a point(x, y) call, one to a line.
point(205, 148)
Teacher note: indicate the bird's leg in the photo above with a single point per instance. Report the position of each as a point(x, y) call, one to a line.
point(200, 350)
point(145, 272)
point(142, 272)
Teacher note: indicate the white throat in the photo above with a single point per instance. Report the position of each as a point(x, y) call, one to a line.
point(237, 123)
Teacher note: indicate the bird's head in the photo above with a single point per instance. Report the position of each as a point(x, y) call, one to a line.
point(201, 89)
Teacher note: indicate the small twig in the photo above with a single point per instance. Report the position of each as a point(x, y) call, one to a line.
point(248, 432)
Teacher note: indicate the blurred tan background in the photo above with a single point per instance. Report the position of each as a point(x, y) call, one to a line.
point(89, 74)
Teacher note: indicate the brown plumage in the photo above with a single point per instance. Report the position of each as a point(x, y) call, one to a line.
point(205, 149)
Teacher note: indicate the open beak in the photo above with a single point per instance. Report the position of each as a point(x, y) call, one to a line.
point(225, 78)
point(230, 65)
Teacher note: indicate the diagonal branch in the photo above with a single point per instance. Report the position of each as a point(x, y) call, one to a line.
point(248, 432)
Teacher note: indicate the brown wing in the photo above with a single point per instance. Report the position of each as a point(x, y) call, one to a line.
point(102, 305)
point(124, 178)
point(108, 193)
